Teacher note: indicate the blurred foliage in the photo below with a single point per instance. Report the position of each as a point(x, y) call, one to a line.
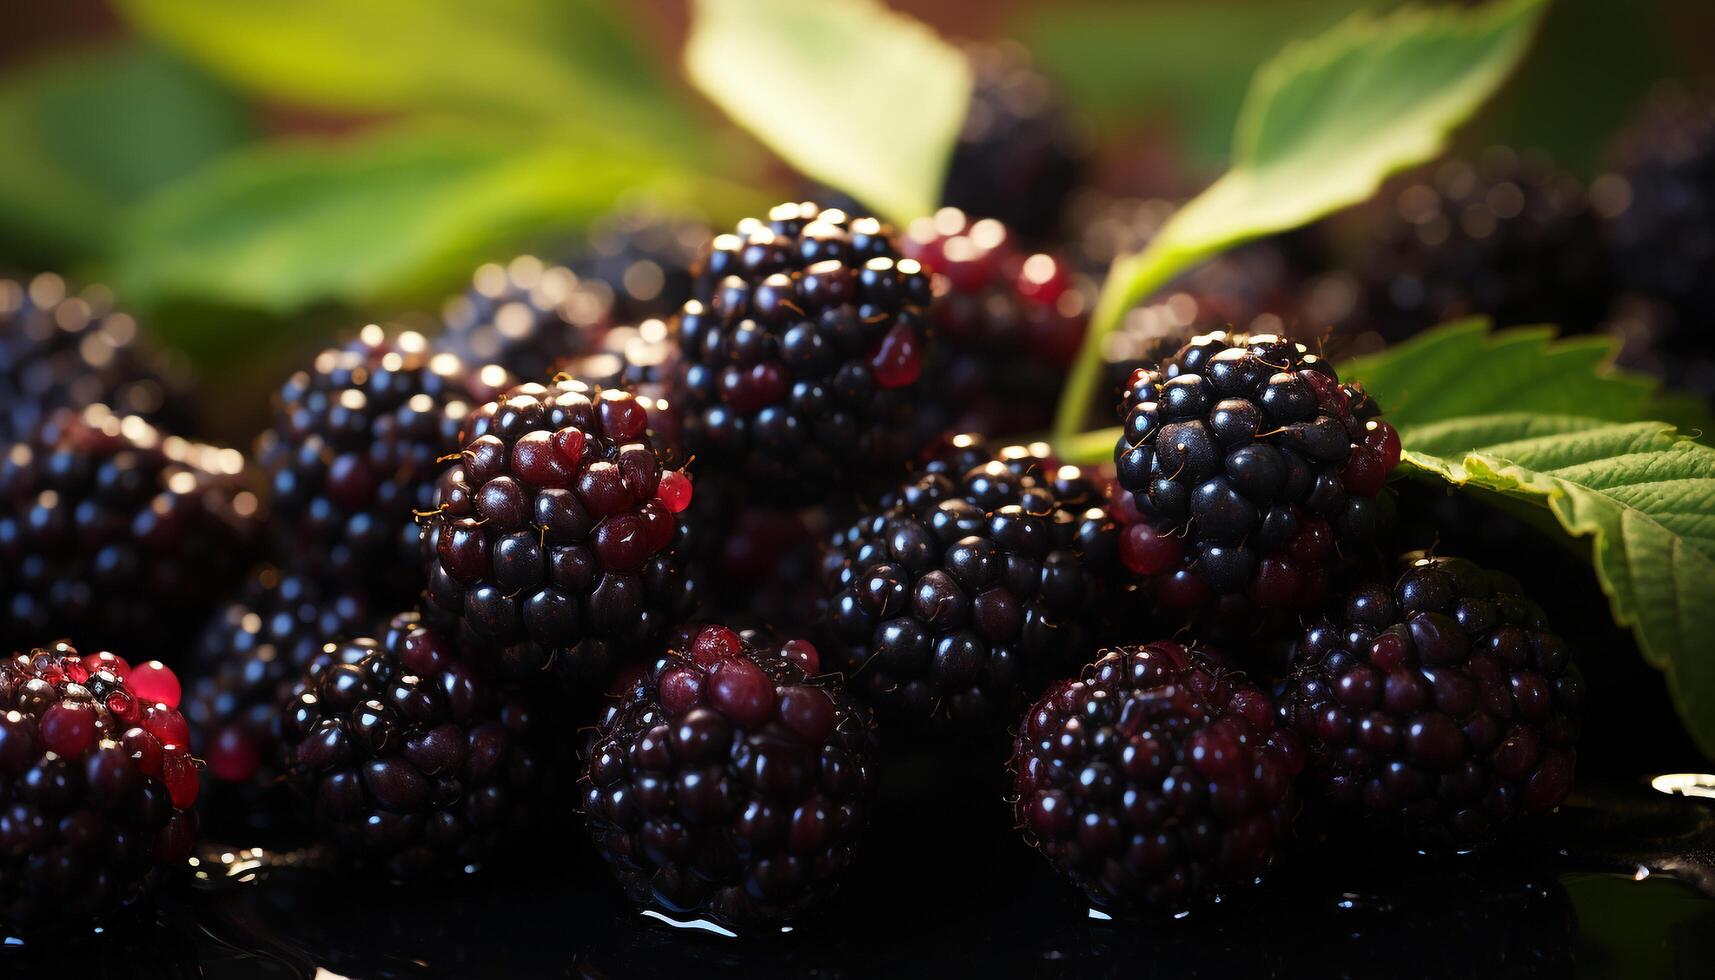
point(1658, 927)
point(1324, 123)
point(1188, 63)
point(89, 134)
point(785, 69)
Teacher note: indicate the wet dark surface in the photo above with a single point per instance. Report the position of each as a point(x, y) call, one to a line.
point(1607, 887)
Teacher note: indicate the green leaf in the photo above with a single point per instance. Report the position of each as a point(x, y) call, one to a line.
point(1462, 369)
point(1129, 64)
point(852, 94)
point(395, 214)
point(1325, 122)
point(90, 133)
point(577, 62)
point(1643, 494)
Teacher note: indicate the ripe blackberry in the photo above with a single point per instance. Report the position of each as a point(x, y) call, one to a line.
point(970, 586)
point(63, 350)
point(1660, 210)
point(1442, 710)
point(96, 784)
point(527, 317)
point(1254, 469)
point(551, 541)
point(112, 533)
point(803, 345)
point(731, 781)
point(643, 258)
point(1018, 156)
point(249, 655)
point(404, 756)
point(354, 450)
point(1505, 236)
point(1009, 324)
point(1156, 780)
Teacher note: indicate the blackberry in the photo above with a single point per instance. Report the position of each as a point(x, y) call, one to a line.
point(1660, 208)
point(1156, 780)
point(354, 450)
point(803, 345)
point(527, 317)
point(96, 785)
point(113, 533)
point(1505, 236)
point(1009, 323)
point(404, 756)
point(643, 360)
point(1018, 156)
point(643, 258)
point(1442, 709)
point(733, 780)
point(970, 586)
point(1254, 468)
point(250, 653)
point(63, 350)
point(551, 541)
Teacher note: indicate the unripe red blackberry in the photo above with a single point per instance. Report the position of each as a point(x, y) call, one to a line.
point(1254, 469)
point(1156, 780)
point(803, 346)
point(1018, 156)
point(970, 586)
point(65, 350)
point(551, 539)
point(1442, 710)
point(251, 652)
point(404, 757)
point(1009, 322)
point(354, 450)
point(96, 784)
point(731, 781)
point(113, 533)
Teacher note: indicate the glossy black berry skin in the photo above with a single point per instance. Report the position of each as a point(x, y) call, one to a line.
point(65, 349)
point(970, 586)
point(803, 347)
point(1502, 235)
point(354, 450)
point(1254, 469)
point(731, 781)
point(404, 758)
point(95, 804)
point(251, 652)
point(1442, 710)
point(551, 539)
point(1156, 781)
point(115, 534)
point(1018, 156)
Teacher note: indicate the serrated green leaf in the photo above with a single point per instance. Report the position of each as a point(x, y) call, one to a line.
point(1461, 369)
point(394, 214)
point(1643, 494)
point(576, 63)
point(88, 134)
point(850, 93)
point(1324, 124)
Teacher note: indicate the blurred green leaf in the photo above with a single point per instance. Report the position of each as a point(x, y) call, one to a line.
point(90, 133)
point(850, 93)
point(573, 61)
point(1189, 60)
point(402, 213)
point(1325, 122)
